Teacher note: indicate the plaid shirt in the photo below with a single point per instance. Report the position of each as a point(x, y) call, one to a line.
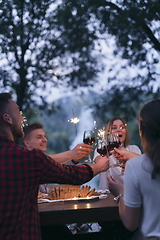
point(21, 173)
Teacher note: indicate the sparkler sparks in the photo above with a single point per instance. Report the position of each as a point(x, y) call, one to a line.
point(24, 123)
point(74, 120)
point(101, 133)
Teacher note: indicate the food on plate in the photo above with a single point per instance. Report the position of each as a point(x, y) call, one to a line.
point(66, 191)
point(41, 195)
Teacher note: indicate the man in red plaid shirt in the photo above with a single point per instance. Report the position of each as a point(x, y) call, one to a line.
point(21, 173)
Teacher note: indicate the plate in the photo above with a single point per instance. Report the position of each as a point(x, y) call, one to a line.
point(88, 199)
point(104, 191)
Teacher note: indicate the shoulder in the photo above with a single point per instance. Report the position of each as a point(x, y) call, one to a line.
point(137, 160)
point(28, 152)
point(134, 148)
point(33, 156)
point(139, 166)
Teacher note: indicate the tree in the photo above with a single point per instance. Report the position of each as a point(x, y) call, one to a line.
point(35, 52)
point(60, 42)
point(134, 25)
point(124, 103)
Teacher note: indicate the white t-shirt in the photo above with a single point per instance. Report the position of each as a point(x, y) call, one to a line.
point(115, 171)
point(140, 190)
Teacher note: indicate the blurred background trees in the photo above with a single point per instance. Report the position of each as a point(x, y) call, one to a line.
point(107, 52)
point(36, 53)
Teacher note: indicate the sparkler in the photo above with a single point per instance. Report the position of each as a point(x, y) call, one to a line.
point(24, 123)
point(101, 132)
point(74, 120)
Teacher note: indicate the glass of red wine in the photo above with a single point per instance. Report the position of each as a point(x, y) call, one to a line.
point(112, 142)
point(102, 146)
point(89, 138)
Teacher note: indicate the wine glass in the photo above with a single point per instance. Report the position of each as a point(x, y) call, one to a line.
point(102, 149)
point(112, 142)
point(102, 146)
point(89, 138)
point(122, 166)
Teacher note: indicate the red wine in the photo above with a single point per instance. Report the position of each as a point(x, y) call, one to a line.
point(112, 145)
point(89, 141)
point(102, 151)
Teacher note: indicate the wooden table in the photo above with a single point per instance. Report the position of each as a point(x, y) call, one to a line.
point(70, 212)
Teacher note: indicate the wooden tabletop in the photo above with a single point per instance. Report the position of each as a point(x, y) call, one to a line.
point(77, 212)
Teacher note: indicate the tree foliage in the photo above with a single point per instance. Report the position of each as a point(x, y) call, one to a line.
point(60, 42)
point(35, 51)
point(135, 28)
point(134, 24)
point(124, 103)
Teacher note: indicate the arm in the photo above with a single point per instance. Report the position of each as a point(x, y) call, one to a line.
point(101, 165)
point(123, 154)
point(129, 216)
point(80, 151)
point(52, 171)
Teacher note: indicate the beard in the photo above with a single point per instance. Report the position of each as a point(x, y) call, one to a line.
point(17, 131)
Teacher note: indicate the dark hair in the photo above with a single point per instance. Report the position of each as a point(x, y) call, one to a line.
point(29, 128)
point(109, 129)
point(4, 100)
point(149, 125)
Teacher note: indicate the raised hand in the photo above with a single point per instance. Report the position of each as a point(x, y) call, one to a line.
point(101, 165)
point(123, 154)
point(80, 151)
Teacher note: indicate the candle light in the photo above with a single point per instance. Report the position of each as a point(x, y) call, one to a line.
point(75, 206)
point(88, 205)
